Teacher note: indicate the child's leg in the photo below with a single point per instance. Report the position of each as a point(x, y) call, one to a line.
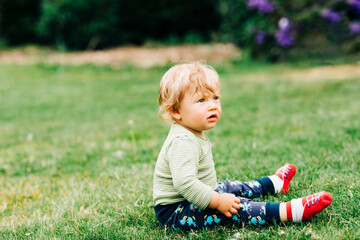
point(251, 189)
point(187, 216)
point(279, 182)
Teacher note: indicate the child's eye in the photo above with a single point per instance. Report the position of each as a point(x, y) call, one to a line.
point(216, 98)
point(201, 100)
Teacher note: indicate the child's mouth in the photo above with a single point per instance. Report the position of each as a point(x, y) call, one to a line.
point(212, 117)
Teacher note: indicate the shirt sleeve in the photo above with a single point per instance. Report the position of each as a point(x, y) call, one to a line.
point(184, 158)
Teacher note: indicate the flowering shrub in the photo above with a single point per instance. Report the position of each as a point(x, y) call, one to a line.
point(261, 5)
point(272, 29)
point(331, 15)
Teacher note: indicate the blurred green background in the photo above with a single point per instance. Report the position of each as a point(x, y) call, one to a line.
point(270, 30)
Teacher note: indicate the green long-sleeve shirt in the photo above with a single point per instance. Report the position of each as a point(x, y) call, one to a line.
point(184, 169)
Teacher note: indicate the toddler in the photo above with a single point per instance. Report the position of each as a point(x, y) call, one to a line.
point(186, 193)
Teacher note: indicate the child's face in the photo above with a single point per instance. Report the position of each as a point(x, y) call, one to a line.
point(198, 112)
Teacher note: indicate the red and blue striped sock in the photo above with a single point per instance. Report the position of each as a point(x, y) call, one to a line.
point(307, 207)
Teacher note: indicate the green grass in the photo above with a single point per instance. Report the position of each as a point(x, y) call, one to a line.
point(78, 146)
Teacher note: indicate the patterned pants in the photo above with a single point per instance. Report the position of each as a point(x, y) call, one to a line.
point(187, 216)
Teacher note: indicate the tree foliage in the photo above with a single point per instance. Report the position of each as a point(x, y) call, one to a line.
point(17, 20)
point(270, 29)
point(85, 24)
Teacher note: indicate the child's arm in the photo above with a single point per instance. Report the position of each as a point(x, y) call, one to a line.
point(226, 203)
point(184, 157)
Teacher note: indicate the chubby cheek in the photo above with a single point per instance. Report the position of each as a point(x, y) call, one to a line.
point(219, 111)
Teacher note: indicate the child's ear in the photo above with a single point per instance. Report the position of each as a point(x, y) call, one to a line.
point(175, 114)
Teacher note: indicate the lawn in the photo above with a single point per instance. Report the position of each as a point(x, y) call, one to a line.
point(78, 145)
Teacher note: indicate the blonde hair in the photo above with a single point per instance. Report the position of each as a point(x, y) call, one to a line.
point(183, 78)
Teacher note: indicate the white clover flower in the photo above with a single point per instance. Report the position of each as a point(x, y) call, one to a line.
point(281, 233)
point(118, 154)
point(29, 137)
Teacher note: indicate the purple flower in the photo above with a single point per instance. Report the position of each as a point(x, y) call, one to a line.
point(260, 37)
point(284, 24)
point(354, 27)
point(284, 38)
point(252, 3)
point(354, 3)
point(331, 15)
point(354, 7)
point(261, 5)
point(266, 7)
point(283, 35)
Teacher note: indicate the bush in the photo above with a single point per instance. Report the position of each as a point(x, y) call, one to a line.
point(90, 24)
point(80, 24)
point(17, 20)
point(272, 30)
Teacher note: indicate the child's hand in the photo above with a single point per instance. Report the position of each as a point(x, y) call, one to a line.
point(228, 204)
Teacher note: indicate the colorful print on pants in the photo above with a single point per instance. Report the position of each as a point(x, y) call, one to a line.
point(187, 216)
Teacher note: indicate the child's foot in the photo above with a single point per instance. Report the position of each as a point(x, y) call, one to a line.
point(286, 173)
point(307, 207)
point(282, 178)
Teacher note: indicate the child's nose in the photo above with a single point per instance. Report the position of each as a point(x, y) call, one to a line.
point(213, 104)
